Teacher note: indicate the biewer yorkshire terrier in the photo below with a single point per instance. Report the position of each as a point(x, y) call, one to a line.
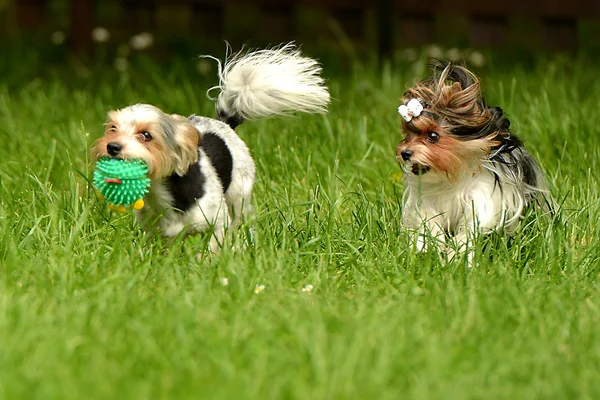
point(465, 172)
point(201, 171)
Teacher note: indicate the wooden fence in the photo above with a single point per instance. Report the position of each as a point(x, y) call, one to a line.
point(380, 24)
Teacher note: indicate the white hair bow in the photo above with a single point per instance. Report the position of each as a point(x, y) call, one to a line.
point(412, 109)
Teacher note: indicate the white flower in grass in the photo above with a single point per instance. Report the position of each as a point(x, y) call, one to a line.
point(121, 64)
point(142, 41)
point(57, 37)
point(417, 291)
point(307, 288)
point(259, 289)
point(477, 59)
point(100, 34)
point(224, 281)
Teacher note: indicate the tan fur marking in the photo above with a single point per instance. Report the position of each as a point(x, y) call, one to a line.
point(187, 138)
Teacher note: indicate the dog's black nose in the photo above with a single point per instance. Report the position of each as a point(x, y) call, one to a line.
point(113, 148)
point(406, 154)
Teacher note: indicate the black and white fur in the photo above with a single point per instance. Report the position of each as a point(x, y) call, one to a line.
point(213, 192)
point(466, 174)
point(480, 201)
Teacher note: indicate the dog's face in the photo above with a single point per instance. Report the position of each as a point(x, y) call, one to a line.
point(430, 148)
point(455, 131)
point(167, 143)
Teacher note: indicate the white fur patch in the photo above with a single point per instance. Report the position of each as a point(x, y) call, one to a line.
point(257, 84)
point(491, 199)
point(271, 82)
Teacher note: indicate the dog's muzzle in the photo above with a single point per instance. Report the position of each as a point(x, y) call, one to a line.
point(419, 169)
point(113, 148)
point(406, 154)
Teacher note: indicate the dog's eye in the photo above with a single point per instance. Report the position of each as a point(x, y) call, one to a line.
point(146, 136)
point(433, 137)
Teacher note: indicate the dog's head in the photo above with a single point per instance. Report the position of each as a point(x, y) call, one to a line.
point(448, 128)
point(167, 143)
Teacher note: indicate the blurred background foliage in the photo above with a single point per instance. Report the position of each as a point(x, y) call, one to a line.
point(114, 32)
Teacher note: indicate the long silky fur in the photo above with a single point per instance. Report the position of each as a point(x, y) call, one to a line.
point(496, 194)
point(269, 82)
point(202, 172)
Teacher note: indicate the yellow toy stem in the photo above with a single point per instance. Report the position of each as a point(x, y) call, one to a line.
point(115, 207)
point(139, 204)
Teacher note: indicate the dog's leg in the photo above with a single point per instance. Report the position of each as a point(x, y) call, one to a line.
point(432, 233)
point(211, 215)
point(484, 215)
point(463, 244)
point(238, 198)
point(427, 228)
point(217, 239)
point(481, 217)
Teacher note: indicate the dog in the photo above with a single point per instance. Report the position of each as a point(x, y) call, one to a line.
point(201, 171)
point(465, 172)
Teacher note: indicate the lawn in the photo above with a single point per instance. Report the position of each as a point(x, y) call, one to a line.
point(92, 308)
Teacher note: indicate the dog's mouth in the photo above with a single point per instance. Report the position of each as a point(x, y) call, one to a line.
point(419, 169)
point(117, 157)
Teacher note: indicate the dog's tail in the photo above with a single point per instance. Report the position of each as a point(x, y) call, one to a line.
point(269, 82)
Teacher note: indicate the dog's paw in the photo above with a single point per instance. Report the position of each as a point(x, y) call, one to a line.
point(453, 253)
point(421, 243)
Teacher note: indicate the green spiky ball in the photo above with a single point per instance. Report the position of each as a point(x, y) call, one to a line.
point(122, 182)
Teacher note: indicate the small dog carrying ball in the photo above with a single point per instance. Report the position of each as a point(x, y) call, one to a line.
point(466, 173)
point(201, 172)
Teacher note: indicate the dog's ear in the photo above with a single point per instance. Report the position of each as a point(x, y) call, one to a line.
point(187, 138)
point(179, 118)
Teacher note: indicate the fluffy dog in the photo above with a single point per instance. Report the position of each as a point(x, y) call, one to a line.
point(466, 173)
point(201, 171)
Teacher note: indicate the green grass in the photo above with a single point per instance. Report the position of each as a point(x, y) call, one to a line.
point(90, 307)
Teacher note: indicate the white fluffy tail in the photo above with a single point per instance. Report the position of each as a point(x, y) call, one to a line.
point(269, 82)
